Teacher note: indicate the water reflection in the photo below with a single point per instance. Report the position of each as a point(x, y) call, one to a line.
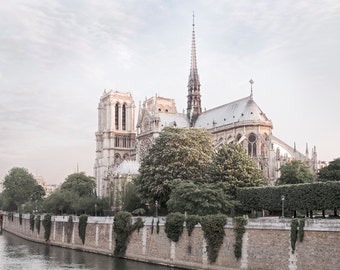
point(17, 253)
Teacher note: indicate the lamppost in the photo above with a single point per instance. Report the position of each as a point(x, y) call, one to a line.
point(156, 203)
point(283, 205)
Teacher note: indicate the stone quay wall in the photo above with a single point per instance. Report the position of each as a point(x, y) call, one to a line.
point(266, 243)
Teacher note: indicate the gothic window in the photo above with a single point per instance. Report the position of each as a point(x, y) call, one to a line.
point(252, 145)
point(117, 142)
point(144, 147)
point(124, 117)
point(117, 115)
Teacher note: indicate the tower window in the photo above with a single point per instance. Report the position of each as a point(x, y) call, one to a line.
point(124, 117)
point(117, 116)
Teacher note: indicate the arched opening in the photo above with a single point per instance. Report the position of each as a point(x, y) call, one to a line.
point(117, 115)
point(252, 147)
point(124, 117)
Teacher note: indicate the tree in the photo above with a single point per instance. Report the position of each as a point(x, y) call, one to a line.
point(19, 187)
point(178, 153)
point(295, 172)
point(232, 165)
point(199, 199)
point(80, 184)
point(330, 172)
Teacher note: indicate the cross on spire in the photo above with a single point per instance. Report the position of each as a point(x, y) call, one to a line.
point(251, 87)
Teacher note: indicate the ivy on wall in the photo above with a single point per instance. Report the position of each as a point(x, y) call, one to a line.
point(296, 232)
point(301, 229)
point(82, 227)
point(152, 226)
point(157, 226)
point(69, 229)
point(32, 222)
point(174, 226)
point(37, 223)
point(191, 221)
point(239, 229)
point(213, 228)
point(47, 226)
point(123, 227)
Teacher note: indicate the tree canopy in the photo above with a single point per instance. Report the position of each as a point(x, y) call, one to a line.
point(20, 187)
point(232, 165)
point(80, 184)
point(178, 153)
point(199, 199)
point(330, 172)
point(295, 172)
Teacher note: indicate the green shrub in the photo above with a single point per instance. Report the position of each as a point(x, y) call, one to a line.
point(123, 228)
point(37, 223)
point(293, 233)
point(301, 229)
point(213, 228)
point(138, 224)
point(174, 226)
point(47, 226)
point(69, 229)
point(32, 222)
point(82, 227)
point(239, 229)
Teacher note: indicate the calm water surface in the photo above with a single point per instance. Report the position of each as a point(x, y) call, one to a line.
point(17, 253)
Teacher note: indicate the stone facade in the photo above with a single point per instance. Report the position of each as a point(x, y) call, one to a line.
point(266, 243)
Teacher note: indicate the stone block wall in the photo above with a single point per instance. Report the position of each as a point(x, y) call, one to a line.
point(266, 243)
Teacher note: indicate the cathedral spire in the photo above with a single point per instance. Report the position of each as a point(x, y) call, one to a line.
point(194, 95)
point(251, 88)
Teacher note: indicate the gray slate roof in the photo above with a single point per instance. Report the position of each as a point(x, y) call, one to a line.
point(127, 167)
point(241, 111)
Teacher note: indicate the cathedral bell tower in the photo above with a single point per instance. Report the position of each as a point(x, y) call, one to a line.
point(194, 94)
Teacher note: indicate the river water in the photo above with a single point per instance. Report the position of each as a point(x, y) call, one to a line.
point(17, 253)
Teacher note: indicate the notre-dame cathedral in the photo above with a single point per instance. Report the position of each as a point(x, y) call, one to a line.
point(121, 142)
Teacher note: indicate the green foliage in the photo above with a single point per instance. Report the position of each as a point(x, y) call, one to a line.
point(80, 184)
point(47, 226)
point(301, 229)
point(314, 196)
point(69, 229)
point(131, 199)
point(19, 187)
point(138, 212)
point(152, 225)
point(82, 227)
point(37, 223)
point(295, 172)
point(157, 226)
point(123, 228)
point(191, 221)
point(232, 166)
point(20, 219)
point(293, 233)
point(330, 172)
point(68, 202)
point(174, 226)
point(213, 228)
point(138, 224)
point(198, 198)
point(239, 229)
point(178, 153)
point(32, 222)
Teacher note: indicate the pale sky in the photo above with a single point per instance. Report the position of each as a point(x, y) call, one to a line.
point(57, 57)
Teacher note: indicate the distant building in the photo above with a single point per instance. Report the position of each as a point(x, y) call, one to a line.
point(240, 122)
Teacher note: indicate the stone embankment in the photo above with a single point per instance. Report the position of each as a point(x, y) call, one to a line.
point(266, 243)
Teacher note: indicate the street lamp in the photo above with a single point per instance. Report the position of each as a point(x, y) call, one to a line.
point(283, 205)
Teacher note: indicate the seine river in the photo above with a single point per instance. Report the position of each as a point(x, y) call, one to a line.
point(17, 253)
